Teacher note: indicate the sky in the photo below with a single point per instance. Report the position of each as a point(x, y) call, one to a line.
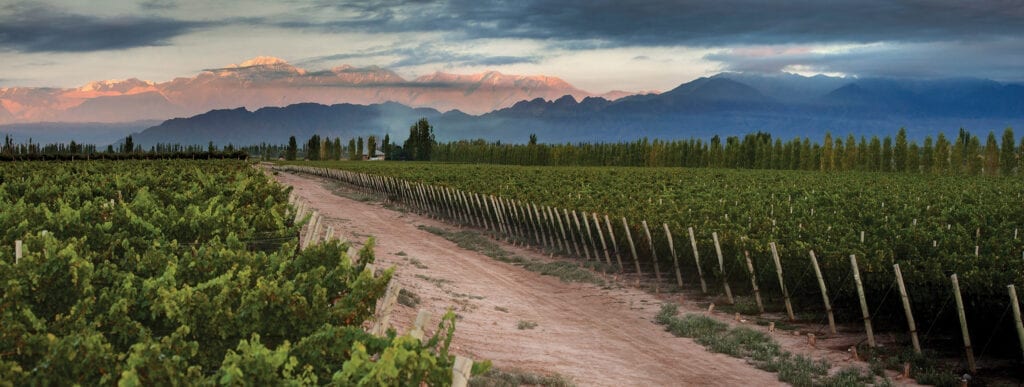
point(596, 45)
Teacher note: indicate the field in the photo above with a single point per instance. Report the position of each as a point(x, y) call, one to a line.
point(932, 226)
point(184, 272)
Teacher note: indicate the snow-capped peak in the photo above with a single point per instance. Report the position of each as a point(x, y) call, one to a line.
point(262, 61)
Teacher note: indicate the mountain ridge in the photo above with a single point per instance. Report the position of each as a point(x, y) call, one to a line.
point(269, 81)
point(717, 105)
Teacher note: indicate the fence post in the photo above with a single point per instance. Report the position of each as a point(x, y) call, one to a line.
point(782, 284)
point(675, 259)
point(461, 371)
point(1016, 314)
point(863, 301)
point(696, 259)
point(906, 308)
point(753, 282)
point(824, 293)
point(17, 251)
point(632, 248)
point(600, 234)
point(654, 253)
point(721, 269)
point(615, 244)
point(963, 323)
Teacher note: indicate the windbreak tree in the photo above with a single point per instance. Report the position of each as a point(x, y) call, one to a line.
point(420, 143)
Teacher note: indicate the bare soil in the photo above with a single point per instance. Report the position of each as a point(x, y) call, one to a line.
point(589, 334)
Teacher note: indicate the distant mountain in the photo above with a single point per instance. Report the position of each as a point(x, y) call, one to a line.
point(267, 81)
point(726, 104)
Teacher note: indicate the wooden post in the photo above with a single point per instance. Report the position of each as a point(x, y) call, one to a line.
point(541, 226)
point(579, 232)
point(590, 236)
point(675, 260)
point(561, 228)
point(534, 223)
point(863, 301)
point(615, 244)
point(632, 248)
point(1015, 305)
point(721, 269)
point(906, 308)
point(824, 293)
point(417, 328)
point(963, 323)
point(461, 371)
point(17, 251)
point(753, 282)
point(600, 234)
point(696, 259)
point(782, 284)
point(383, 314)
point(572, 237)
point(654, 252)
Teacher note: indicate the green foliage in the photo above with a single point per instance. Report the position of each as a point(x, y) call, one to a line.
point(180, 273)
point(929, 224)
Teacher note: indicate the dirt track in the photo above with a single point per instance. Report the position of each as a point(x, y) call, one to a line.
point(590, 335)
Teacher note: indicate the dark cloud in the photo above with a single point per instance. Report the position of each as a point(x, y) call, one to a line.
point(27, 28)
point(691, 23)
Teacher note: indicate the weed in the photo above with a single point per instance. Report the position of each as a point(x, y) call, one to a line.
point(408, 298)
point(439, 282)
point(523, 324)
point(401, 254)
point(764, 352)
point(501, 309)
point(499, 378)
point(417, 263)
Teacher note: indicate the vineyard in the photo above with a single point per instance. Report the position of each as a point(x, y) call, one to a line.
point(181, 273)
point(676, 228)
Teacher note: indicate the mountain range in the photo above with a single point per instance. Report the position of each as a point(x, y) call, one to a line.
point(266, 99)
point(785, 105)
point(268, 81)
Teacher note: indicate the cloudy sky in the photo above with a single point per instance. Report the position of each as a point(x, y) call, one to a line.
point(596, 45)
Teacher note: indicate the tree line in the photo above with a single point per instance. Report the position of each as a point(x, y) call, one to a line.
point(965, 154)
point(418, 146)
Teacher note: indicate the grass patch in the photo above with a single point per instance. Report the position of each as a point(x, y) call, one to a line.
point(439, 282)
point(474, 241)
point(419, 264)
point(344, 191)
point(469, 296)
point(924, 367)
point(513, 378)
point(523, 324)
point(501, 309)
point(408, 298)
point(758, 348)
point(401, 254)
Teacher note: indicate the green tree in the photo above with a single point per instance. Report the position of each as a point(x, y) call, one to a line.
point(128, 147)
point(899, 151)
point(420, 143)
point(991, 155)
point(1007, 157)
point(292, 150)
point(352, 155)
point(886, 164)
point(359, 148)
point(371, 146)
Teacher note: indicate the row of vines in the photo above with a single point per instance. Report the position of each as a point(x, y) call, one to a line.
point(183, 273)
point(932, 226)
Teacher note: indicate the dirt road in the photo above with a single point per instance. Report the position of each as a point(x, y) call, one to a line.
point(589, 334)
